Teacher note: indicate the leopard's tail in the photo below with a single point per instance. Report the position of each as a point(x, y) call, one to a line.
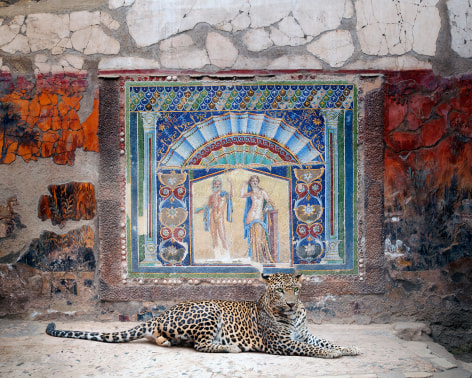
point(138, 332)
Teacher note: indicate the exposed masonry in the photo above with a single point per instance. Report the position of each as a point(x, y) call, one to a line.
point(237, 34)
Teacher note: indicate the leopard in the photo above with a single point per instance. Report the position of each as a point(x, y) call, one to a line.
point(275, 324)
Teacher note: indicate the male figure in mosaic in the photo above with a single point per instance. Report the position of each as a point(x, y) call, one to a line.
point(219, 203)
point(256, 230)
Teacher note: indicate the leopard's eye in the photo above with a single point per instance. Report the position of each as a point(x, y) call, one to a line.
point(295, 289)
point(280, 290)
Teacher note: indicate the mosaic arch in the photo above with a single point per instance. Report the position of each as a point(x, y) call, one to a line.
point(237, 178)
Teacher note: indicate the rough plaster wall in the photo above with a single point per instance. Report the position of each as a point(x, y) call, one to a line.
point(54, 36)
point(55, 40)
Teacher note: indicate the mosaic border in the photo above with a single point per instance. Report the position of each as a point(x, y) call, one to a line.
point(115, 281)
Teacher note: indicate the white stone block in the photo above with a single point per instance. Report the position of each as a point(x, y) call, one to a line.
point(83, 19)
point(108, 21)
point(6, 35)
point(265, 13)
point(426, 30)
point(257, 39)
point(189, 58)
point(388, 27)
point(397, 63)
point(247, 63)
point(180, 41)
point(241, 22)
point(296, 62)
point(150, 22)
point(290, 27)
point(460, 22)
point(17, 22)
point(113, 4)
point(19, 45)
point(221, 50)
point(212, 12)
point(46, 30)
point(334, 47)
point(93, 40)
point(73, 61)
point(62, 64)
point(127, 63)
point(162, 18)
point(224, 26)
point(315, 17)
point(63, 44)
point(181, 53)
point(281, 39)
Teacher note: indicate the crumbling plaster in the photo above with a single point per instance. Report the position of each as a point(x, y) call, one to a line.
point(243, 34)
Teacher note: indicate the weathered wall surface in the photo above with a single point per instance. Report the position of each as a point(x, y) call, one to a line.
point(53, 52)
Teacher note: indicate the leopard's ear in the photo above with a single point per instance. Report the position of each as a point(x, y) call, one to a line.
point(298, 277)
point(265, 277)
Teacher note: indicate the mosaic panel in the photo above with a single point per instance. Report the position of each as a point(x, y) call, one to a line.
point(238, 178)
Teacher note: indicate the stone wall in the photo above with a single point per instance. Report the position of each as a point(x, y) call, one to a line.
point(54, 54)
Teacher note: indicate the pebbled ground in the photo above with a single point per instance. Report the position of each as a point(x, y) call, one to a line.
point(25, 350)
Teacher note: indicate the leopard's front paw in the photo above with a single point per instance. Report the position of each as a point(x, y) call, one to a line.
point(350, 351)
point(332, 353)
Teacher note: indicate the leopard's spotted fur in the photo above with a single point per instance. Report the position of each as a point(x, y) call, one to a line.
point(276, 324)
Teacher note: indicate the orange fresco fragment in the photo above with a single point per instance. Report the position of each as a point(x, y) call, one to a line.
point(44, 123)
point(34, 109)
point(71, 201)
point(56, 121)
point(10, 152)
point(421, 106)
point(9, 158)
point(27, 151)
point(44, 99)
point(437, 153)
point(396, 114)
point(72, 101)
point(48, 108)
point(50, 136)
point(74, 121)
point(47, 149)
point(432, 131)
point(403, 141)
point(64, 158)
point(90, 127)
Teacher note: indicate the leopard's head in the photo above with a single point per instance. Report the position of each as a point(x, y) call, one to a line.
point(282, 294)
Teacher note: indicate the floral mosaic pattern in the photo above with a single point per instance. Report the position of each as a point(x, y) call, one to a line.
point(242, 177)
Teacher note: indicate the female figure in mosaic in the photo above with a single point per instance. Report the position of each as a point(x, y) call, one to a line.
point(255, 220)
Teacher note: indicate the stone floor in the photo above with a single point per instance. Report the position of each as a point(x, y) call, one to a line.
point(25, 350)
